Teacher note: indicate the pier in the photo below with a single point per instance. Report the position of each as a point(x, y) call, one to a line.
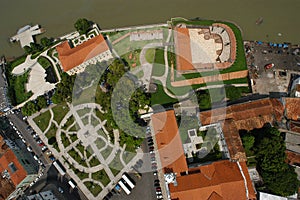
point(26, 33)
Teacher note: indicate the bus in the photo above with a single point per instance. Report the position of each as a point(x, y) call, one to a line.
point(59, 168)
point(126, 190)
point(128, 181)
point(72, 183)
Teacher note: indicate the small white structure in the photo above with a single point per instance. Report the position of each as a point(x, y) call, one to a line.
point(26, 33)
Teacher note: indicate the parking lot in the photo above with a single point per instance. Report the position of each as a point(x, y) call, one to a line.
point(145, 183)
point(276, 79)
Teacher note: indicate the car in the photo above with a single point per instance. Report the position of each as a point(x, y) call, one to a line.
point(151, 148)
point(28, 128)
point(156, 184)
point(154, 167)
point(35, 136)
point(158, 193)
point(158, 188)
point(48, 152)
point(39, 141)
point(52, 158)
point(152, 154)
point(154, 164)
point(159, 196)
point(150, 140)
point(35, 157)
point(156, 181)
point(155, 173)
point(44, 148)
point(23, 141)
point(41, 144)
point(29, 149)
point(150, 143)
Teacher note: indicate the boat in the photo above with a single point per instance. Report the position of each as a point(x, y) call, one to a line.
point(269, 66)
point(259, 21)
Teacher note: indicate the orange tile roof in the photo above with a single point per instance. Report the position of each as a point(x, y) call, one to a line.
point(72, 57)
point(169, 142)
point(183, 49)
point(219, 180)
point(292, 108)
point(246, 116)
point(7, 158)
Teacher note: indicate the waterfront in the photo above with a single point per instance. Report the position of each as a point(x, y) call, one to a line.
point(58, 17)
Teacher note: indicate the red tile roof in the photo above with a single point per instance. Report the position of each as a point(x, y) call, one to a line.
point(169, 142)
point(219, 180)
point(292, 108)
point(72, 57)
point(6, 188)
point(183, 49)
point(7, 158)
point(246, 116)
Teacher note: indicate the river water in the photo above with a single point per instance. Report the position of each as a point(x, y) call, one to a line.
point(58, 17)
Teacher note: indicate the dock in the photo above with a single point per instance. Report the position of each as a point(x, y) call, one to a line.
point(26, 33)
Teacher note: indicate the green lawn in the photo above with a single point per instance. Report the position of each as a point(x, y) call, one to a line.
point(43, 120)
point(106, 152)
point(150, 55)
point(93, 187)
point(94, 162)
point(116, 164)
point(81, 175)
point(159, 63)
point(127, 156)
point(160, 97)
point(102, 177)
point(132, 58)
point(77, 157)
point(89, 151)
point(69, 122)
point(60, 111)
point(94, 121)
point(19, 82)
point(65, 140)
point(80, 148)
point(44, 62)
point(74, 128)
point(73, 137)
point(100, 143)
point(85, 120)
point(84, 111)
point(52, 131)
point(101, 132)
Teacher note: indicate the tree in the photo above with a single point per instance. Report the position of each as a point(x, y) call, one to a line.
point(279, 178)
point(46, 42)
point(41, 102)
point(82, 25)
point(248, 143)
point(27, 50)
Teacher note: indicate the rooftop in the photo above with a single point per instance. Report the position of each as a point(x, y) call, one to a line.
point(292, 108)
point(72, 57)
point(246, 116)
point(215, 181)
point(168, 142)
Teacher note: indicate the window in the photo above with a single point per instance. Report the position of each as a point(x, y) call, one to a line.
point(12, 167)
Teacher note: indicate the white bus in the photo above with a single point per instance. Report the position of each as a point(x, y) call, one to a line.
point(59, 168)
point(126, 190)
point(128, 181)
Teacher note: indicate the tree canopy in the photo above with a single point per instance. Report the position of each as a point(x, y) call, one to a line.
point(269, 148)
point(82, 25)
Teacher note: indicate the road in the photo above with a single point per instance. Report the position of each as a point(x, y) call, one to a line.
point(22, 127)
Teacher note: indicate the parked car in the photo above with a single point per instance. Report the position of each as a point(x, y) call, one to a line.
point(44, 148)
point(35, 157)
point(150, 143)
point(151, 148)
point(158, 188)
point(29, 149)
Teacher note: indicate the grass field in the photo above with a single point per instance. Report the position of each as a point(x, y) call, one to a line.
point(94, 162)
point(43, 120)
point(106, 152)
point(44, 62)
point(60, 111)
point(116, 164)
point(94, 188)
point(101, 176)
point(150, 55)
point(159, 63)
point(19, 82)
point(160, 97)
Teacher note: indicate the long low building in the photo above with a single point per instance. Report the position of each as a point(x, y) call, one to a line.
point(76, 59)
